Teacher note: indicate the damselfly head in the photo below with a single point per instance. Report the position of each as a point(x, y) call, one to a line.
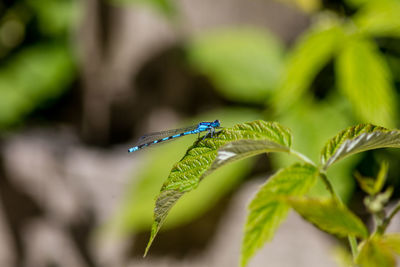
point(216, 123)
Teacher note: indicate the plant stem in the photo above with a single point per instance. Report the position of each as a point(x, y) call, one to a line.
point(302, 157)
point(353, 246)
point(352, 239)
point(382, 228)
point(329, 187)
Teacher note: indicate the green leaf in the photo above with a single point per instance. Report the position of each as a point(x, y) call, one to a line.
point(329, 216)
point(56, 17)
point(342, 256)
point(247, 148)
point(370, 185)
point(381, 178)
point(136, 211)
point(393, 242)
point(267, 211)
point(31, 77)
point(305, 119)
point(373, 186)
point(366, 183)
point(374, 252)
point(244, 64)
point(357, 139)
point(364, 78)
point(379, 18)
point(192, 168)
point(314, 50)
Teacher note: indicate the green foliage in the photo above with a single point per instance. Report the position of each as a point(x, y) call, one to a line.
point(392, 241)
point(362, 74)
point(357, 139)
point(305, 119)
point(192, 168)
point(56, 17)
point(373, 186)
point(364, 77)
point(31, 77)
point(330, 216)
point(311, 53)
point(37, 63)
point(136, 212)
point(375, 253)
point(266, 211)
point(243, 64)
point(246, 66)
point(379, 18)
point(286, 188)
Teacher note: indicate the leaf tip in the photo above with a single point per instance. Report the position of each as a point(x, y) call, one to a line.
point(244, 260)
point(154, 230)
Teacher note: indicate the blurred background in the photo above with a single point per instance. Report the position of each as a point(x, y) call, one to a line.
point(80, 81)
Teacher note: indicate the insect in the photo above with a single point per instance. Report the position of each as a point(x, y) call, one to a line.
point(158, 137)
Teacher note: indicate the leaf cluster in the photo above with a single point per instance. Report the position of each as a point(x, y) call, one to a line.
point(288, 187)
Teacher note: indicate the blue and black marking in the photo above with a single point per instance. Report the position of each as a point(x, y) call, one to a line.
point(150, 139)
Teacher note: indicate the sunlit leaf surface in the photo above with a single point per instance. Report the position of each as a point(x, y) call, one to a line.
point(136, 212)
point(330, 216)
point(246, 148)
point(357, 139)
point(267, 210)
point(191, 169)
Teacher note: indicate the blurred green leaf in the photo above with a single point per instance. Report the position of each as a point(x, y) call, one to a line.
point(166, 7)
point(31, 77)
point(381, 177)
point(366, 183)
point(312, 123)
point(267, 211)
point(243, 64)
point(56, 16)
point(330, 216)
point(136, 213)
point(374, 252)
point(392, 240)
point(377, 203)
point(311, 53)
point(357, 139)
point(379, 18)
point(342, 256)
point(192, 168)
point(365, 79)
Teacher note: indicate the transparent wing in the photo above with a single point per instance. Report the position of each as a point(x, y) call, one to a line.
point(159, 135)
